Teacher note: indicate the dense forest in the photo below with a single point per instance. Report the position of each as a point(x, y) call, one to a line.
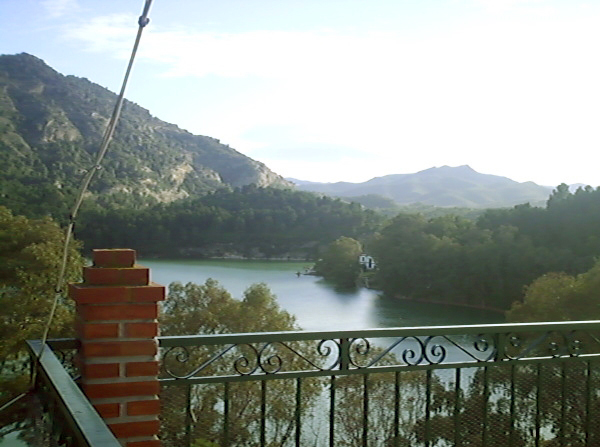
point(483, 262)
point(249, 221)
point(489, 261)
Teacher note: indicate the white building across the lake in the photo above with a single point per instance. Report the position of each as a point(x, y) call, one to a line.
point(366, 261)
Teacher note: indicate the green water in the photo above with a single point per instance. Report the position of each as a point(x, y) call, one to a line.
point(317, 305)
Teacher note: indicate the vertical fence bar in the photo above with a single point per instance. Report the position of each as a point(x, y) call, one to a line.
point(397, 410)
point(486, 398)
point(55, 428)
point(332, 413)
point(500, 342)
point(563, 400)
point(457, 408)
point(344, 354)
point(188, 416)
point(427, 407)
point(538, 404)
point(588, 402)
point(511, 433)
point(226, 415)
point(365, 431)
point(298, 410)
point(263, 412)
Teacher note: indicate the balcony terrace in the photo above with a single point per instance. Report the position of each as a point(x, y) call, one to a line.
point(492, 385)
point(534, 384)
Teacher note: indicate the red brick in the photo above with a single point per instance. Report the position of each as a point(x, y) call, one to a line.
point(141, 330)
point(108, 410)
point(98, 330)
point(118, 312)
point(87, 294)
point(143, 407)
point(135, 276)
point(121, 389)
point(84, 294)
point(152, 443)
point(100, 370)
point(131, 429)
point(141, 369)
point(152, 292)
point(118, 348)
point(116, 257)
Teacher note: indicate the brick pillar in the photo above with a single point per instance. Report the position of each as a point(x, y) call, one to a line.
point(117, 310)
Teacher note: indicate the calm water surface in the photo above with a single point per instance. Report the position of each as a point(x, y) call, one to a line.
point(317, 305)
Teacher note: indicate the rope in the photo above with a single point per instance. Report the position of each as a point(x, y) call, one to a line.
point(108, 134)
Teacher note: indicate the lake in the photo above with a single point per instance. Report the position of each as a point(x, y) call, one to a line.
point(317, 305)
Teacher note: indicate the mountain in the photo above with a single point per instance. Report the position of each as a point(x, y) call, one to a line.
point(444, 186)
point(50, 131)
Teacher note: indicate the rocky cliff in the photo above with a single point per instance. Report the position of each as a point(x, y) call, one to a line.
point(50, 131)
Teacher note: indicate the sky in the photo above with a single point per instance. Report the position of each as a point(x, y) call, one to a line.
point(348, 90)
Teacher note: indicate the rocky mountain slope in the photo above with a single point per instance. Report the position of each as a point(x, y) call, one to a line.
point(445, 186)
point(51, 127)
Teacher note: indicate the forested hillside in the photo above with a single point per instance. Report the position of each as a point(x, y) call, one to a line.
point(250, 221)
point(50, 131)
point(161, 189)
point(488, 262)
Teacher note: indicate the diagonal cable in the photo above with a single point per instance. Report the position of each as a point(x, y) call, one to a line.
point(108, 134)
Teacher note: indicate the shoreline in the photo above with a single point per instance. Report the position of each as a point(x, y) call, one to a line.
point(446, 303)
point(290, 259)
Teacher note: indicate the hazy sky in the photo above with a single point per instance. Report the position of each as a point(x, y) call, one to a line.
point(329, 90)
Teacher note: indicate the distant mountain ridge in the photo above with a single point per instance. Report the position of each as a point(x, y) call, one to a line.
point(50, 131)
point(444, 186)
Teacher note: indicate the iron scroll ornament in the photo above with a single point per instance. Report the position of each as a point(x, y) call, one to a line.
point(273, 357)
point(430, 350)
point(270, 358)
point(547, 344)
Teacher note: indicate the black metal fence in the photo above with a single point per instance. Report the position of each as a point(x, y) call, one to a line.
point(494, 385)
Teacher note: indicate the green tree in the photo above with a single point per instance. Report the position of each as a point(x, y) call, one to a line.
point(30, 256)
point(560, 297)
point(380, 390)
point(251, 221)
point(339, 262)
point(209, 309)
point(395, 248)
point(488, 263)
point(560, 194)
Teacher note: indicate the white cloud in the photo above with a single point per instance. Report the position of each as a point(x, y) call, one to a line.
point(112, 34)
point(519, 88)
point(58, 8)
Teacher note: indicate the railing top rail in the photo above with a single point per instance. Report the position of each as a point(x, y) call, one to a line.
point(86, 425)
point(59, 344)
point(257, 337)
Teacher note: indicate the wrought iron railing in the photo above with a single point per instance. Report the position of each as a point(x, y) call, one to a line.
point(493, 385)
point(66, 417)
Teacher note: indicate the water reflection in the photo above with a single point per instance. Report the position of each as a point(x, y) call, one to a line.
point(317, 305)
